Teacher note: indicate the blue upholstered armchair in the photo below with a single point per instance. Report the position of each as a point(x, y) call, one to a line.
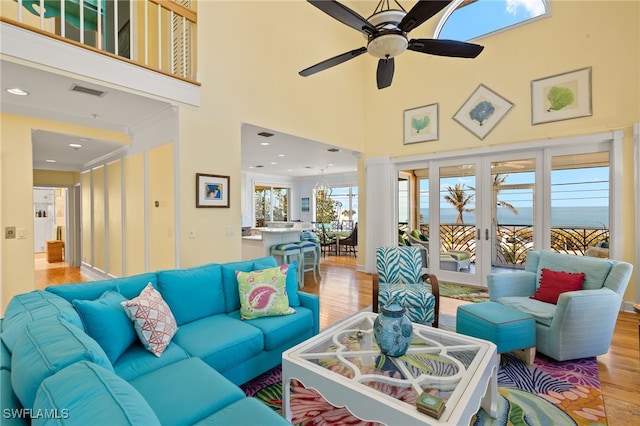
point(399, 277)
point(581, 324)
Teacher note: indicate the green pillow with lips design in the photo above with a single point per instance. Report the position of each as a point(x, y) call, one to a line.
point(263, 293)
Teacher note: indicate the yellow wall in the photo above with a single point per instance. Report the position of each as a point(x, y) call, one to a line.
point(114, 218)
point(134, 242)
point(99, 217)
point(252, 76)
point(57, 178)
point(161, 218)
point(87, 247)
point(577, 35)
point(16, 196)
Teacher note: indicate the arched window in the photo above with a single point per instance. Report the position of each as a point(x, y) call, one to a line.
point(468, 19)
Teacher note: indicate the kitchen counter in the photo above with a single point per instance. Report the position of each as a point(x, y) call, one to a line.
point(260, 245)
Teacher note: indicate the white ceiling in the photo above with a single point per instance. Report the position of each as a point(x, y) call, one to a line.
point(50, 98)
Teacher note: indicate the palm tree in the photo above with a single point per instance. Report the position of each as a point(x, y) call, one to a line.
point(459, 199)
point(498, 180)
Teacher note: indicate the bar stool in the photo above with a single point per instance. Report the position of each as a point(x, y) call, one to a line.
point(286, 250)
point(308, 249)
point(313, 237)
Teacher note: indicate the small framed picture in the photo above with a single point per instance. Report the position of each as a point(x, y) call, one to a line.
point(421, 124)
point(561, 97)
point(212, 190)
point(482, 111)
point(305, 205)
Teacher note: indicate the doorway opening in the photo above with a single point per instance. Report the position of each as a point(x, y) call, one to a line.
point(51, 240)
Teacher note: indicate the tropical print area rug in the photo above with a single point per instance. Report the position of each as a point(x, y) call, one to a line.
point(547, 393)
point(464, 292)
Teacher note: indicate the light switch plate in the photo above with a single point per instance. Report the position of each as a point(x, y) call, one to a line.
point(9, 232)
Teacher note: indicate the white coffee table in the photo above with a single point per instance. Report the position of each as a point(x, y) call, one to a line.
point(343, 363)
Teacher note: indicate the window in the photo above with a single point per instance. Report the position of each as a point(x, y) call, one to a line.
point(271, 204)
point(346, 205)
point(579, 202)
point(468, 19)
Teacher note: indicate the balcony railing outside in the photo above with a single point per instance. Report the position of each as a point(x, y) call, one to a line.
point(514, 241)
point(156, 34)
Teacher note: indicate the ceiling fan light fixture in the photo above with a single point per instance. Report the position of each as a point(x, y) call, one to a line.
point(387, 45)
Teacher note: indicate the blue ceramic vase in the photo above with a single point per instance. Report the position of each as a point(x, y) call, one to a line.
point(393, 330)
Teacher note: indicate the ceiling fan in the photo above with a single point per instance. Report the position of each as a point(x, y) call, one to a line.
point(386, 32)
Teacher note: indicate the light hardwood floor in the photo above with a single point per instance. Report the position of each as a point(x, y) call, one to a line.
point(344, 291)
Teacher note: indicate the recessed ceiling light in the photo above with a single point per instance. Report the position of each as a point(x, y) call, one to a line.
point(75, 145)
point(280, 155)
point(264, 143)
point(273, 163)
point(17, 91)
point(51, 161)
point(330, 164)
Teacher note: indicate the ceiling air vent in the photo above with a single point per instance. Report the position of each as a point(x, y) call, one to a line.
point(87, 90)
point(265, 134)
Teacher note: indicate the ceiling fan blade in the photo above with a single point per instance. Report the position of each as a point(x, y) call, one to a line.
point(458, 49)
point(384, 75)
point(420, 12)
point(345, 15)
point(332, 62)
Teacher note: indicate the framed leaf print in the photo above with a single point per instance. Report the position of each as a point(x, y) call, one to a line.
point(561, 97)
point(482, 111)
point(421, 124)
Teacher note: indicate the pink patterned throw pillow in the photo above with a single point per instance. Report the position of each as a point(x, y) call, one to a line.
point(152, 319)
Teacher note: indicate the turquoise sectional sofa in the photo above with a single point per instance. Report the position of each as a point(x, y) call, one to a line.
point(61, 365)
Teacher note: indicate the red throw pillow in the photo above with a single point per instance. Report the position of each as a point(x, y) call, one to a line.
point(552, 283)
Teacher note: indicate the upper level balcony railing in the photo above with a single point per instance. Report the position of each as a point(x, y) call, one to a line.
point(156, 34)
point(514, 241)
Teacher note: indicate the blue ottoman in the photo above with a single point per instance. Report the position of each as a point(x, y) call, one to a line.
point(508, 328)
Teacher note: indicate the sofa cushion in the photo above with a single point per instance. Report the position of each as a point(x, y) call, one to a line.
point(137, 360)
point(107, 323)
point(193, 293)
point(595, 270)
point(128, 286)
point(220, 341)
point(46, 347)
point(263, 293)
point(541, 311)
point(5, 356)
point(244, 412)
point(230, 283)
point(87, 394)
point(29, 307)
point(152, 319)
point(202, 391)
point(9, 401)
point(282, 329)
point(553, 283)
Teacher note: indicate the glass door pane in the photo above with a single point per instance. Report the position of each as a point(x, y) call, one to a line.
point(512, 211)
point(456, 220)
point(579, 202)
point(423, 201)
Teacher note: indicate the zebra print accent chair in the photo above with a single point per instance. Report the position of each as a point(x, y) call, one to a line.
point(399, 277)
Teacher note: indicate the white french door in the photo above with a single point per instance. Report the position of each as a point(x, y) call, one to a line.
point(483, 216)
